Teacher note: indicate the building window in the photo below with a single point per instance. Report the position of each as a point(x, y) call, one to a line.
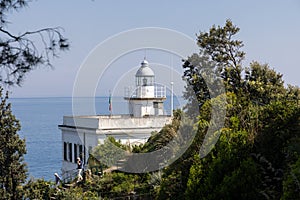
point(70, 152)
point(80, 152)
point(75, 153)
point(65, 151)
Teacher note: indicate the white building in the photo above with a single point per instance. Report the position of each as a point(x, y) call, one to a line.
point(146, 114)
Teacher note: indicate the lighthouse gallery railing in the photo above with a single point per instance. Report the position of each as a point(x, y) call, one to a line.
point(159, 91)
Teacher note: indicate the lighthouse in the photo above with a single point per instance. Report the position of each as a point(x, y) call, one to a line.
point(147, 97)
point(80, 134)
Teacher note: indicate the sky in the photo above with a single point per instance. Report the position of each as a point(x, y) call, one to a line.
point(270, 31)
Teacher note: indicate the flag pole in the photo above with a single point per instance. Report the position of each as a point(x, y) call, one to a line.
point(109, 104)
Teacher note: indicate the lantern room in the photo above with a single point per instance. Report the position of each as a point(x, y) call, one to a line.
point(147, 97)
point(145, 81)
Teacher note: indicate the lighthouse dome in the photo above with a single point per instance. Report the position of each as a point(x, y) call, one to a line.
point(144, 70)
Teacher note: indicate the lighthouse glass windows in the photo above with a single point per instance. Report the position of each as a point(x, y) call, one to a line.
point(144, 81)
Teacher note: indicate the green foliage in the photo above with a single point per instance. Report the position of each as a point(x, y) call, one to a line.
point(215, 183)
point(263, 84)
point(291, 184)
point(108, 153)
point(76, 193)
point(243, 164)
point(278, 121)
point(119, 185)
point(221, 166)
point(218, 44)
point(197, 72)
point(19, 52)
point(39, 189)
point(170, 185)
point(12, 150)
point(260, 138)
point(160, 139)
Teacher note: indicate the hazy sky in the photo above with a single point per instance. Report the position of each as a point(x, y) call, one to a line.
point(270, 31)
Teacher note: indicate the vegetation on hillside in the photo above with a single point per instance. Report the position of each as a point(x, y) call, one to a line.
point(12, 150)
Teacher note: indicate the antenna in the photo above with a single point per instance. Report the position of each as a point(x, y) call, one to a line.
point(145, 54)
point(172, 84)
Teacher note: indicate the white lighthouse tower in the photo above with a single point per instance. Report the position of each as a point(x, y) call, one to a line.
point(146, 99)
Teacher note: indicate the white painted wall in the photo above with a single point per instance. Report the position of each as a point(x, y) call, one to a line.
point(145, 92)
point(93, 130)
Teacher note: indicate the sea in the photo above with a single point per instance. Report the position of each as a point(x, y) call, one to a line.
point(40, 117)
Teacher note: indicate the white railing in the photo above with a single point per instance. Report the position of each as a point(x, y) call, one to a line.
point(159, 91)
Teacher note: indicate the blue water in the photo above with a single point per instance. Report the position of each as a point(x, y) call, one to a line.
point(40, 118)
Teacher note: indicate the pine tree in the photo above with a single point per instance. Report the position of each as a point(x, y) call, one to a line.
point(12, 150)
point(21, 53)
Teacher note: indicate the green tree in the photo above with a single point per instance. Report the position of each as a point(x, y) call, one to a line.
point(218, 64)
point(12, 150)
point(209, 176)
point(39, 189)
point(218, 44)
point(19, 53)
point(197, 69)
point(160, 139)
point(259, 141)
point(264, 84)
point(274, 145)
point(109, 153)
point(220, 56)
point(252, 155)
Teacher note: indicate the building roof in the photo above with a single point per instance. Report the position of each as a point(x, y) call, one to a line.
point(144, 70)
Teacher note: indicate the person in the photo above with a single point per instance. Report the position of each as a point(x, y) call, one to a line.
point(57, 180)
point(79, 168)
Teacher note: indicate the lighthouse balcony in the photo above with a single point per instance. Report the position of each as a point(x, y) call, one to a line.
point(153, 92)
